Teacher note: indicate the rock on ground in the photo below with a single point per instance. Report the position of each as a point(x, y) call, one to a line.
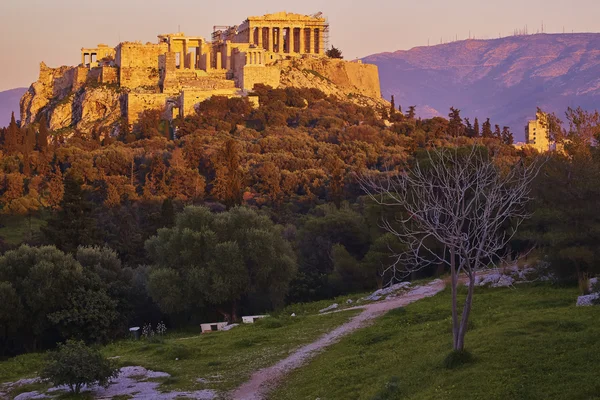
point(132, 382)
point(230, 327)
point(587, 300)
point(376, 295)
point(330, 308)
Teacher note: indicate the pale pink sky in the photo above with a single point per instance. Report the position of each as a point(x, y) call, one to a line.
point(53, 31)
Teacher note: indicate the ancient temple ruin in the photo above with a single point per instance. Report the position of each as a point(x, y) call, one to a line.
point(177, 72)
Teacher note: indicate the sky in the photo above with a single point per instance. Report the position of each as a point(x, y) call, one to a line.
point(54, 31)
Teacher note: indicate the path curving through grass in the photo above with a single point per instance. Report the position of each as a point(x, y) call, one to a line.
point(267, 378)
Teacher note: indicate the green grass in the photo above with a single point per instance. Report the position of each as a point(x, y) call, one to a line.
point(225, 359)
point(526, 343)
point(15, 229)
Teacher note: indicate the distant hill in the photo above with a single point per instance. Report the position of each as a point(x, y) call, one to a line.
point(504, 79)
point(9, 102)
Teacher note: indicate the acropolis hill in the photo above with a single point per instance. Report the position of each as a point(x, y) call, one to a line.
point(112, 85)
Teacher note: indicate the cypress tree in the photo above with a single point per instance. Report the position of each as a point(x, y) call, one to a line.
point(72, 226)
point(476, 132)
point(42, 137)
point(11, 140)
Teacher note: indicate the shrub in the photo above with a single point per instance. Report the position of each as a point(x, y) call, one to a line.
point(74, 364)
point(457, 358)
point(270, 323)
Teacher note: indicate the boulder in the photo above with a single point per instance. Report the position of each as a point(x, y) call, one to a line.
point(376, 295)
point(587, 300)
point(230, 327)
point(330, 308)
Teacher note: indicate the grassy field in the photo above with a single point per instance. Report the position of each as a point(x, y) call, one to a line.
point(528, 343)
point(223, 359)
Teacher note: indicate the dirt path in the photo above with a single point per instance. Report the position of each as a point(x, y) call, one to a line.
point(265, 379)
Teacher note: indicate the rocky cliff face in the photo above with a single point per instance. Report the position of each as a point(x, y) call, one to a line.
point(75, 98)
point(504, 79)
point(349, 81)
point(70, 100)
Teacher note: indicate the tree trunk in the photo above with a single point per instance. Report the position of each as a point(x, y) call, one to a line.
point(454, 288)
point(234, 312)
point(460, 344)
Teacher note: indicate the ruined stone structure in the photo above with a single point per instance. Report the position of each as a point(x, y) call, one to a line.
point(178, 71)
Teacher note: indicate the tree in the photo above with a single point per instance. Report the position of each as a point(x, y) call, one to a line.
point(334, 52)
point(411, 112)
point(455, 123)
point(42, 136)
point(318, 234)
point(476, 128)
point(228, 181)
point(74, 364)
point(566, 223)
point(42, 279)
point(459, 200)
point(73, 225)
point(219, 260)
point(507, 136)
point(392, 106)
point(11, 138)
point(486, 129)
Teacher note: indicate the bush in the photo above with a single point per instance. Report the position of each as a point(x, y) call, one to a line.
point(74, 364)
point(457, 358)
point(270, 323)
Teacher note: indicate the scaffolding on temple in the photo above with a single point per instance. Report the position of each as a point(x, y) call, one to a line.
point(325, 29)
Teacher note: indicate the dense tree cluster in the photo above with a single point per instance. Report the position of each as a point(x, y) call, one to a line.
point(240, 209)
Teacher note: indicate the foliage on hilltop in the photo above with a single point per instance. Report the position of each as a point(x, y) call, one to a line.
point(288, 169)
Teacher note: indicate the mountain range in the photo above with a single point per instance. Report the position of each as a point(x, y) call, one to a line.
point(9, 102)
point(504, 79)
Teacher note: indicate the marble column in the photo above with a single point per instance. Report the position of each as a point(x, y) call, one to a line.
point(280, 39)
point(270, 35)
point(302, 40)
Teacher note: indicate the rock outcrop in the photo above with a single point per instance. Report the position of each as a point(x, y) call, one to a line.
point(350, 81)
point(79, 98)
point(71, 97)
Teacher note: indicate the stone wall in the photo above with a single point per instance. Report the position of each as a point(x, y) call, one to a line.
point(139, 102)
point(254, 74)
point(110, 75)
point(139, 64)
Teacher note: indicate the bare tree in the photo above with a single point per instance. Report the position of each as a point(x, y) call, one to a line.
point(456, 208)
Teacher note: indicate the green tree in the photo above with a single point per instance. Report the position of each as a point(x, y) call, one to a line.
point(486, 129)
point(455, 123)
point(74, 364)
point(476, 132)
point(72, 226)
point(411, 112)
point(219, 260)
point(334, 52)
point(42, 279)
point(319, 232)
